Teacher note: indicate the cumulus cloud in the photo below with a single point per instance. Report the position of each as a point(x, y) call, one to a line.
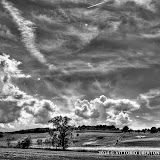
point(10, 67)
point(119, 119)
point(106, 110)
point(84, 110)
point(27, 29)
point(40, 109)
point(13, 101)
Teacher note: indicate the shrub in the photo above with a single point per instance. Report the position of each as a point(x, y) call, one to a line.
point(25, 143)
point(39, 142)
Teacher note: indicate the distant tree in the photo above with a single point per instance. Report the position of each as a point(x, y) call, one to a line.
point(125, 129)
point(144, 130)
point(18, 144)
point(63, 130)
point(130, 130)
point(153, 130)
point(48, 142)
point(112, 127)
point(8, 142)
point(83, 127)
point(1, 134)
point(138, 131)
point(39, 142)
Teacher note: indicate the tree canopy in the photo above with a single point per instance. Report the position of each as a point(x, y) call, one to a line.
point(62, 129)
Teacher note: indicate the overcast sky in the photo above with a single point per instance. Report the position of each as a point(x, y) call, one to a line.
point(97, 65)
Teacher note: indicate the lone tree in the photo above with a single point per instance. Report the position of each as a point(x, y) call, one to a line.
point(62, 129)
point(125, 129)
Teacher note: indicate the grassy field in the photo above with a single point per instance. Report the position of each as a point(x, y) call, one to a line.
point(95, 139)
point(35, 154)
point(85, 139)
point(80, 139)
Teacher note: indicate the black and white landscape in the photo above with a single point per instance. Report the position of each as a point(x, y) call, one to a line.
point(96, 62)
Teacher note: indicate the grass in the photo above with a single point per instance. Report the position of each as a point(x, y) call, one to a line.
point(35, 154)
point(84, 139)
point(141, 143)
point(93, 139)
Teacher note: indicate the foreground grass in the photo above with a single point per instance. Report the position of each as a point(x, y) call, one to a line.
point(35, 154)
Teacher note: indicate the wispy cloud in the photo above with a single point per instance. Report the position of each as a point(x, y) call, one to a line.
point(6, 33)
point(151, 99)
point(27, 29)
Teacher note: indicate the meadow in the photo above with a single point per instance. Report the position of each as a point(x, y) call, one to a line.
point(81, 140)
point(36, 154)
point(92, 139)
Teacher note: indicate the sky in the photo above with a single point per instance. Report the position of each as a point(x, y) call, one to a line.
point(97, 64)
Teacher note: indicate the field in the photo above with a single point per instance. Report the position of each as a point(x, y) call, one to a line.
point(94, 139)
point(34, 154)
point(83, 143)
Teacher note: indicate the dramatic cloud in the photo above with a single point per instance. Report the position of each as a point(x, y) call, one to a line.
point(27, 29)
point(119, 119)
point(41, 109)
point(13, 100)
point(84, 110)
point(110, 49)
point(106, 110)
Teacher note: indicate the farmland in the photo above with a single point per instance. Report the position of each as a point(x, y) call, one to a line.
point(82, 141)
point(30, 154)
point(93, 139)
